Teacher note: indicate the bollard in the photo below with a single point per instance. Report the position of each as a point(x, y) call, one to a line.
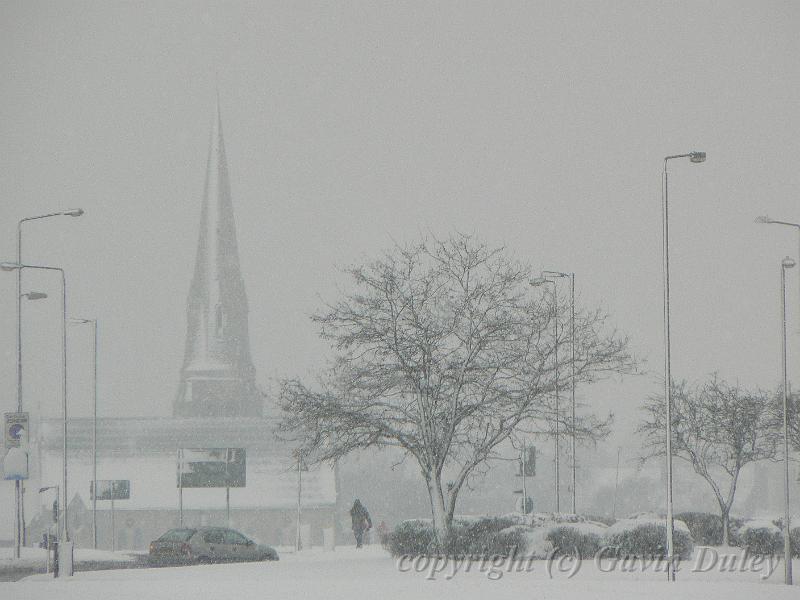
point(54, 548)
point(328, 539)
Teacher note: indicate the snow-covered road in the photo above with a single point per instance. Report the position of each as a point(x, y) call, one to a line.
point(371, 573)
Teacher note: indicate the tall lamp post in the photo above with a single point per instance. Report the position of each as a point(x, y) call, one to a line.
point(72, 212)
point(695, 157)
point(93, 323)
point(571, 277)
point(7, 266)
point(543, 281)
point(786, 263)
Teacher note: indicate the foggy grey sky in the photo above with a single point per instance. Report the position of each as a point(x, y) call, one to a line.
point(537, 125)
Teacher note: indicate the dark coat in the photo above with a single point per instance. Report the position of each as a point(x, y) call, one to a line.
point(360, 517)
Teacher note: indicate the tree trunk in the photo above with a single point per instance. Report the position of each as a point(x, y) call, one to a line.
point(442, 520)
point(726, 517)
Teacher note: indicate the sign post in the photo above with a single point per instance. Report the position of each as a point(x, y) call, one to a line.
point(180, 487)
point(527, 468)
point(111, 489)
point(16, 438)
point(208, 468)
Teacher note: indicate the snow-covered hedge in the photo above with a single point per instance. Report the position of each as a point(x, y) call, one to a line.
point(760, 537)
point(477, 536)
point(583, 539)
point(536, 535)
point(646, 537)
point(412, 538)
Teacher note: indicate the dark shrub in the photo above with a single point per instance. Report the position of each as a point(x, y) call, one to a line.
point(794, 537)
point(468, 537)
point(706, 528)
point(474, 536)
point(411, 538)
point(567, 540)
point(507, 542)
point(794, 540)
point(647, 540)
point(760, 539)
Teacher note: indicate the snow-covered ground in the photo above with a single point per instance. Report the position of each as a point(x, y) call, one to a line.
point(370, 573)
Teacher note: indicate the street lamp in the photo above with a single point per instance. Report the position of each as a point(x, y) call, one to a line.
point(70, 212)
point(786, 263)
point(767, 220)
point(571, 277)
point(10, 266)
point(695, 157)
point(543, 281)
point(93, 322)
point(34, 295)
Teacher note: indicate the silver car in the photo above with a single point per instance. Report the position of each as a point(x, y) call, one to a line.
point(207, 544)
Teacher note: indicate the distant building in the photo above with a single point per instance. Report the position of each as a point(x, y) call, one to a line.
point(218, 405)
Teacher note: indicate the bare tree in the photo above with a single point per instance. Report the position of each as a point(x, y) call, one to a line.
point(443, 349)
point(793, 418)
point(718, 429)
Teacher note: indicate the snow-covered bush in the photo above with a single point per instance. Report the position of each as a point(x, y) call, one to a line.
point(706, 528)
point(533, 535)
point(411, 538)
point(511, 541)
point(585, 539)
point(760, 537)
point(794, 540)
point(646, 537)
point(472, 536)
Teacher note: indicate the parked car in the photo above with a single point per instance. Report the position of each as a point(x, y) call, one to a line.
point(207, 544)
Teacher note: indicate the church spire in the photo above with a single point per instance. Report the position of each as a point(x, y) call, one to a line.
point(218, 377)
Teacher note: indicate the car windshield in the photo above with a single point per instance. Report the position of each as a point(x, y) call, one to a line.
point(234, 537)
point(177, 535)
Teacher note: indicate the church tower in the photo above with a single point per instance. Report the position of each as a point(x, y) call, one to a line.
point(218, 376)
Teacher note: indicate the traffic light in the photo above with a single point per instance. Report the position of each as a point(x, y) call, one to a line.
point(527, 462)
point(55, 511)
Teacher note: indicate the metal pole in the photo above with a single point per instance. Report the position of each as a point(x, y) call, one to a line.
point(113, 525)
point(19, 317)
point(299, 492)
point(787, 548)
point(572, 385)
point(524, 486)
point(64, 394)
point(616, 488)
point(228, 505)
point(58, 531)
point(667, 374)
point(94, 441)
point(180, 487)
point(16, 519)
point(18, 525)
point(558, 409)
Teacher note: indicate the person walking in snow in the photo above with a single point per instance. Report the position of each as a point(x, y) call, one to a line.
point(361, 521)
